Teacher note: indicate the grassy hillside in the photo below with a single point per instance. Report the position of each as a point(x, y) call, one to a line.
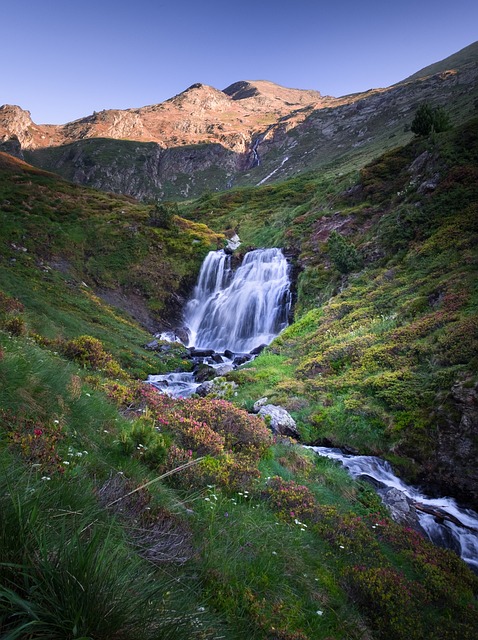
point(68, 251)
point(383, 354)
point(459, 59)
point(126, 514)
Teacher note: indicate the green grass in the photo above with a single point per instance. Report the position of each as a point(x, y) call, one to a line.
point(167, 518)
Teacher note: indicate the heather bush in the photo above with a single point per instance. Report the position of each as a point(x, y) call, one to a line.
point(36, 440)
point(290, 499)
point(231, 471)
point(89, 352)
point(197, 436)
point(240, 430)
point(15, 325)
point(389, 600)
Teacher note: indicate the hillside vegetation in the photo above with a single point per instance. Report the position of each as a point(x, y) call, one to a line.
point(383, 354)
point(126, 514)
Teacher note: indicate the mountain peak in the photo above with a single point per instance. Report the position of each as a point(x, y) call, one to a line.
point(275, 95)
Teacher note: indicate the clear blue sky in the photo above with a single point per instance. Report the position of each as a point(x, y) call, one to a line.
point(62, 60)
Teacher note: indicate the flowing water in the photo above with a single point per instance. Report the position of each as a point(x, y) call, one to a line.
point(233, 310)
point(243, 309)
point(453, 527)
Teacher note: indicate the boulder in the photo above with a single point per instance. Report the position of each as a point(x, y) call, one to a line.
point(258, 404)
point(400, 507)
point(201, 353)
point(279, 420)
point(222, 370)
point(205, 388)
point(257, 350)
point(218, 388)
point(152, 346)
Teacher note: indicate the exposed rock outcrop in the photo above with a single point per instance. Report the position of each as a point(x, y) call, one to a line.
point(253, 132)
point(457, 441)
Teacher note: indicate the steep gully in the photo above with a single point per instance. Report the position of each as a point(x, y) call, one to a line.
point(231, 315)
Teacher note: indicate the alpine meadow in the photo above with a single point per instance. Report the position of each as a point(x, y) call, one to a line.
point(173, 422)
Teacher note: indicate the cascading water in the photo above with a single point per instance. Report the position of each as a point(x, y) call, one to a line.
point(444, 522)
point(235, 311)
point(239, 310)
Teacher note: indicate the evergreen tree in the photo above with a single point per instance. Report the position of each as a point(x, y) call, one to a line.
point(423, 122)
point(428, 119)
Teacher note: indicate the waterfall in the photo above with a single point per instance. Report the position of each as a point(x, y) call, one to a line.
point(243, 309)
point(444, 522)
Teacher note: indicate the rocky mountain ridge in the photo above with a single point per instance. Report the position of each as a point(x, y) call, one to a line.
point(252, 132)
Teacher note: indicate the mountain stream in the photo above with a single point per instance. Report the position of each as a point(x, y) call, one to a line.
point(232, 313)
point(235, 312)
point(441, 519)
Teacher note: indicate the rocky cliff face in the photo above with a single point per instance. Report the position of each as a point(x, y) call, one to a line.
point(250, 133)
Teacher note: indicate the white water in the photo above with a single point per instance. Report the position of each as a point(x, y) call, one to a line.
point(243, 309)
point(177, 385)
point(442, 532)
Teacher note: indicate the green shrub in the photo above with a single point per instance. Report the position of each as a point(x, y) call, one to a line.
point(290, 499)
point(89, 352)
point(343, 253)
point(142, 440)
point(15, 325)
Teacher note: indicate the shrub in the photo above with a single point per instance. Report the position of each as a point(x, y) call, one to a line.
point(240, 430)
point(89, 352)
point(430, 119)
point(36, 441)
point(15, 325)
point(343, 253)
point(142, 440)
point(9, 304)
point(290, 499)
point(389, 601)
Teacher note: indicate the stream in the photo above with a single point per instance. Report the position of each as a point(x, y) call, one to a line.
point(232, 315)
point(441, 519)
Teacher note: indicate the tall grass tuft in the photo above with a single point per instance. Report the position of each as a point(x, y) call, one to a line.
point(67, 571)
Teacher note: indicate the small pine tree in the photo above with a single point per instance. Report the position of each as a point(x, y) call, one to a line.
point(441, 120)
point(161, 216)
point(423, 121)
point(428, 119)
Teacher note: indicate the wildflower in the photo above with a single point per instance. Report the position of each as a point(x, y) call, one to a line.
point(319, 612)
point(207, 499)
point(46, 478)
point(66, 462)
point(89, 395)
point(56, 421)
point(341, 546)
point(38, 432)
point(201, 608)
point(226, 515)
point(274, 553)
